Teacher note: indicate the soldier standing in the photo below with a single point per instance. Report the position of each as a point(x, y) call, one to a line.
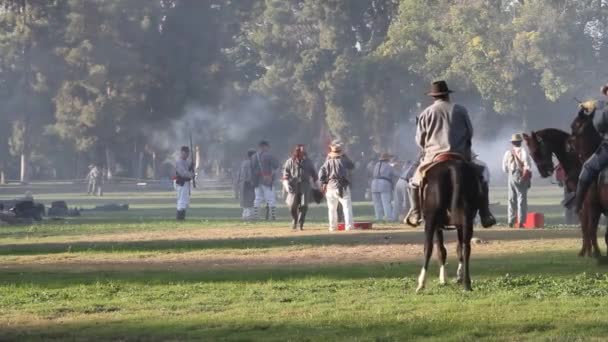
point(183, 175)
point(517, 164)
point(383, 178)
point(244, 180)
point(264, 166)
point(335, 182)
point(94, 178)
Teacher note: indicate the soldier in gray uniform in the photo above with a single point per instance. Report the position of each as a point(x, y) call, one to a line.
point(244, 181)
point(335, 183)
point(183, 175)
point(94, 178)
point(264, 167)
point(599, 160)
point(401, 197)
point(298, 176)
point(383, 178)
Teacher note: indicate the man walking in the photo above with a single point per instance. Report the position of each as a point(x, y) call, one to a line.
point(383, 178)
point(517, 164)
point(264, 169)
point(246, 189)
point(299, 175)
point(335, 182)
point(183, 175)
point(94, 178)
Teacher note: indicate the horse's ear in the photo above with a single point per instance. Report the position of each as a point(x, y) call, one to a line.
point(527, 137)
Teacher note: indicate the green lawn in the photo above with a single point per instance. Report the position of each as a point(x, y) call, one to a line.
point(520, 294)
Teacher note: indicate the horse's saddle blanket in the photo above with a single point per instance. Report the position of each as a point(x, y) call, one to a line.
point(443, 157)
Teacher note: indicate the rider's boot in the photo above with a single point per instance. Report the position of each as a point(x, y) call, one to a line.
point(414, 217)
point(487, 219)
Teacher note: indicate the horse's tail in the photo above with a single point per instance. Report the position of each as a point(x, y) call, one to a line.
point(457, 210)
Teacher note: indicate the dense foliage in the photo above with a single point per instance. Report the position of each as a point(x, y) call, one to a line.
point(119, 82)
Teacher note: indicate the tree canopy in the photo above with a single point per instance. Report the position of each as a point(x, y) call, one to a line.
point(119, 81)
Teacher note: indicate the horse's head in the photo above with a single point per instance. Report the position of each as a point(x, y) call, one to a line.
point(584, 138)
point(541, 153)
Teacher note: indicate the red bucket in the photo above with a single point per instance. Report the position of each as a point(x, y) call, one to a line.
point(357, 225)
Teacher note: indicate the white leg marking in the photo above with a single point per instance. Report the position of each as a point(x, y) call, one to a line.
point(459, 272)
point(421, 280)
point(442, 275)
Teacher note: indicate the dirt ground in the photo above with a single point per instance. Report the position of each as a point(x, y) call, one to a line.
point(314, 246)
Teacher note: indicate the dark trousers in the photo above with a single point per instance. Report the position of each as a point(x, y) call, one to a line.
point(298, 210)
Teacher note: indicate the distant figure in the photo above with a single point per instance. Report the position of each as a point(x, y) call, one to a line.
point(183, 176)
point(299, 175)
point(264, 166)
point(383, 178)
point(516, 163)
point(246, 188)
point(95, 178)
point(334, 178)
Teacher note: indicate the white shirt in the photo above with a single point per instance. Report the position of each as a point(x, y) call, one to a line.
point(510, 165)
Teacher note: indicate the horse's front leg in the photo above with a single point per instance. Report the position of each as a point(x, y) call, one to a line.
point(441, 256)
point(429, 232)
point(592, 227)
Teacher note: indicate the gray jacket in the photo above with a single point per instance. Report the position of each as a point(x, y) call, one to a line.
point(335, 173)
point(264, 166)
point(444, 127)
point(600, 119)
point(383, 177)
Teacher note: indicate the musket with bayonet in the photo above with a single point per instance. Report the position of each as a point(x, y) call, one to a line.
point(192, 161)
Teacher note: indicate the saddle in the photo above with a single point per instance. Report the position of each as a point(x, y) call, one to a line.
point(441, 158)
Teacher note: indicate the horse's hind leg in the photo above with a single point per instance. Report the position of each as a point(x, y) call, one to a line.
point(592, 228)
point(429, 232)
point(441, 256)
point(583, 222)
point(459, 272)
point(467, 235)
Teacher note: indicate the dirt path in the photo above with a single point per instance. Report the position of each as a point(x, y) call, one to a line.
point(230, 259)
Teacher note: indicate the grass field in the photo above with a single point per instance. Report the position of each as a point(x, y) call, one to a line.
point(138, 275)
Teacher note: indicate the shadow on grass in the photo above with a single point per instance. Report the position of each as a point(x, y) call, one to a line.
point(338, 239)
point(385, 329)
point(551, 263)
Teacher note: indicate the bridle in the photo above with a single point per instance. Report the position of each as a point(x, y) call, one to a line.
point(546, 160)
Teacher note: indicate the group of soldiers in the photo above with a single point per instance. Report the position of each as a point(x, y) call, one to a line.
point(443, 127)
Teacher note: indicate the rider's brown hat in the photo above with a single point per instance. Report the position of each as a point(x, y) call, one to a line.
point(439, 88)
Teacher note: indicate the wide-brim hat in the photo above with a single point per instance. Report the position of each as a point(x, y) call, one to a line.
point(439, 88)
point(385, 157)
point(517, 137)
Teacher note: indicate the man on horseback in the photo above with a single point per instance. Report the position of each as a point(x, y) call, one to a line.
point(443, 127)
point(599, 160)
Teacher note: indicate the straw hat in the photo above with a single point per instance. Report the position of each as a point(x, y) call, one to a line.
point(517, 138)
point(385, 157)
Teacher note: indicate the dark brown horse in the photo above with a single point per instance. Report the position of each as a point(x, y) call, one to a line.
point(586, 140)
point(450, 199)
point(545, 144)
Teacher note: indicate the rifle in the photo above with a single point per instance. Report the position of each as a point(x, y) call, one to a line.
point(192, 165)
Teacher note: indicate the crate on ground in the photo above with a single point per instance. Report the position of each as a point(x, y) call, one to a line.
point(357, 225)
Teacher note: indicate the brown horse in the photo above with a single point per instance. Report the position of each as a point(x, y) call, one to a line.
point(586, 140)
point(543, 145)
point(450, 199)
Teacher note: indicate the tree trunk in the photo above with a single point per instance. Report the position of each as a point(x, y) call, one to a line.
point(24, 168)
point(110, 164)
